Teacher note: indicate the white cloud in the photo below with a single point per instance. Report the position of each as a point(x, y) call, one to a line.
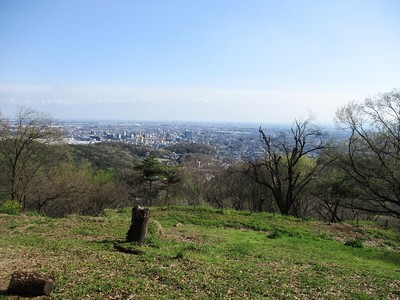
point(60, 101)
point(177, 103)
point(200, 101)
point(10, 101)
point(58, 88)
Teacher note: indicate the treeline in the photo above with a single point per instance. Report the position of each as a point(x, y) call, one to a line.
point(185, 148)
point(301, 174)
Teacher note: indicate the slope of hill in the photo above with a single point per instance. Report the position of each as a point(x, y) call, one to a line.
point(204, 254)
point(112, 154)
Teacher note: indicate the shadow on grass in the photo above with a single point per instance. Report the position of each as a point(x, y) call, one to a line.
point(107, 241)
point(392, 258)
point(110, 243)
point(120, 246)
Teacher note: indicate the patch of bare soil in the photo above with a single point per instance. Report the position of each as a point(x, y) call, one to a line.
point(186, 235)
point(346, 232)
point(343, 230)
point(182, 236)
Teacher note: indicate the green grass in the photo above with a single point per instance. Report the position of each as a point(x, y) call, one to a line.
point(212, 255)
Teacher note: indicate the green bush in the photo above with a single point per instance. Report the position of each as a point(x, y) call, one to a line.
point(276, 233)
point(152, 241)
point(10, 207)
point(356, 243)
point(279, 232)
point(155, 229)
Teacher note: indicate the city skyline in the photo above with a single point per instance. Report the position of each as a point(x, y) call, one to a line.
point(212, 61)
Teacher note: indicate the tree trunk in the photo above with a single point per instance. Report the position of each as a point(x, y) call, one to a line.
point(30, 284)
point(139, 224)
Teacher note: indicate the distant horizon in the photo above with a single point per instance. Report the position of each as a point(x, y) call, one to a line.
point(138, 122)
point(116, 119)
point(207, 122)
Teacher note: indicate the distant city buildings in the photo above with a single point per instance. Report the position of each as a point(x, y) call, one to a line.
point(234, 141)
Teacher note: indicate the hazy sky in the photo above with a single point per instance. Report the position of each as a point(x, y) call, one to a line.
point(205, 60)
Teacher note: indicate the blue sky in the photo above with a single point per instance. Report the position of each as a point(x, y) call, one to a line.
point(208, 60)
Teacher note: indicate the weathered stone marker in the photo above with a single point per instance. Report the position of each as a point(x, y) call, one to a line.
point(139, 224)
point(30, 284)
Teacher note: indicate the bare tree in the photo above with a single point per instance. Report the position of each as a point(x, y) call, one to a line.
point(331, 190)
point(197, 171)
point(285, 170)
point(22, 150)
point(216, 191)
point(243, 192)
point(192, 185)
point(373, 151)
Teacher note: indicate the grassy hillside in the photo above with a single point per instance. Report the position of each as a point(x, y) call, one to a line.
point(209, 255)
point(112, 154)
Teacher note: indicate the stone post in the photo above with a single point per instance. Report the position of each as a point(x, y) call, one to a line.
point(139, 224)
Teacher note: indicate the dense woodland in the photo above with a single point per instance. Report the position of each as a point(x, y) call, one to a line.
point(301, 174)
